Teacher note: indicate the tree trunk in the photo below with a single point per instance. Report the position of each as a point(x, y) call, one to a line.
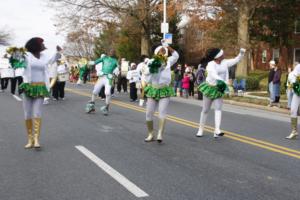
point(243, 38)
point(145, 43)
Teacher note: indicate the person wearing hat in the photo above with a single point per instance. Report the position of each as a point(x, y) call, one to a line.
point(35, 87)
point(134, 78)
point(214, 87)
point(105, 75)
point(294, 80)
point(158, 90)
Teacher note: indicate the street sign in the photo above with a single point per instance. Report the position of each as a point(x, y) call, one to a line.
point(168, 37)
point(164, 27)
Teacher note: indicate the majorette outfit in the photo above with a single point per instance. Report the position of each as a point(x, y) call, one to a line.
point(35, 87)
point(294, 79)
point(17, 62)
point(214, 88)
point(105, 78)
point(158, 90)
point(141, 68)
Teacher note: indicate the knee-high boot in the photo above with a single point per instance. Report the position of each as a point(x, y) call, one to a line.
point(294, 124)
point(28, 123)
point(218, 117)
point(201, 124)
point(37, 132)
point(161, 125)
point(150, 136)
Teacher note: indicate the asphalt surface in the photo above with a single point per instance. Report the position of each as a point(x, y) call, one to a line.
point(262, 165)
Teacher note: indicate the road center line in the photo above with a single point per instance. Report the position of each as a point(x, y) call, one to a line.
point(131, 187)
point(234, 136)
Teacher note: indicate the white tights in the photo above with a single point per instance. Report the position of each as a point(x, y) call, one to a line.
point(162, 108)
point(102, 82)
point(32, 107)
point(207, 102)
point(295, 105)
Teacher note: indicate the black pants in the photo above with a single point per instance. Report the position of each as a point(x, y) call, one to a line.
point(4, 83)
point(122, 82)
point(85, 77)
point(59, 90)
point(102, 92)
point(13, 85)
point(191, 89)
point(133, 91)
point(200, 95)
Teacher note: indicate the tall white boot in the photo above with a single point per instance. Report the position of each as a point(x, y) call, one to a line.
point(218, 117)
point(203, 118)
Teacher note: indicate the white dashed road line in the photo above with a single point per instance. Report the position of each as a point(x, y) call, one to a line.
point(131, 187)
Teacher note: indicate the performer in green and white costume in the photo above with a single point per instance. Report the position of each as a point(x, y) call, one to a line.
point(158, 90)
point(36, 87)
point(17, 61)
point(105, 78)
point(294, 79)
point(214, 87)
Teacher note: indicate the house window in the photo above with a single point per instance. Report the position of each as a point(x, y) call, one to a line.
point(275, 54)
point(297, 56)
point(297, 26)
point(264, 56)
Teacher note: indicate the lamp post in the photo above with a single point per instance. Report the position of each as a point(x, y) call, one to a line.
point(165, 15)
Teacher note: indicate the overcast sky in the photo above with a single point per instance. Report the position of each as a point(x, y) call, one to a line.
point(27, 19)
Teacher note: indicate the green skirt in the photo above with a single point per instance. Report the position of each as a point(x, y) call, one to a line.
point(210, 91)
point(159, 93)
point(34, 90)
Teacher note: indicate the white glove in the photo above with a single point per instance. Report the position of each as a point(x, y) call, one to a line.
point(91, 62)
point(164, 43)
point(242, 51)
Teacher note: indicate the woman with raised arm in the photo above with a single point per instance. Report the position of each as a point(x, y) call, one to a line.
point(158, 90)
point(214, 87)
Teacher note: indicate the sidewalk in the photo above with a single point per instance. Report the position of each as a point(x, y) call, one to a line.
point(236, 103)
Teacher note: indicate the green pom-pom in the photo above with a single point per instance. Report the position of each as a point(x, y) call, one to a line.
point(158, 62)
point(296, 88)
point(154, 66)
point(221, 85)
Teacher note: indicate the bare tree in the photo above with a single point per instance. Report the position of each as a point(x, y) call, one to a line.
point(76, 12)
point(5, 37)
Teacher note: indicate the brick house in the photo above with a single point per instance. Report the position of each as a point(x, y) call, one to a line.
point(287, 56)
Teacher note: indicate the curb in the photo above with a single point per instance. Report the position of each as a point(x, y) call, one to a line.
point(251, 105)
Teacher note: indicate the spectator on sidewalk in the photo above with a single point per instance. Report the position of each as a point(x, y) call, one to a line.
point(186, 83)
point(270, 81)
point(192, 81)
point(200, 77)
point(122, 80)
point(133, 76)
point(276, 83)
point(289, 87)
point(177, 80)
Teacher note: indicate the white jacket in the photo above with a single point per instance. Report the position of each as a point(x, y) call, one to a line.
point(220, 71)
point(163, 77)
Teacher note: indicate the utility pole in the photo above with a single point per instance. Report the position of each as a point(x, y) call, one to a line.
point(165, 15)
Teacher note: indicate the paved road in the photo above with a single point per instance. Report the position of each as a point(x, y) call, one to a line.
point(92, 157)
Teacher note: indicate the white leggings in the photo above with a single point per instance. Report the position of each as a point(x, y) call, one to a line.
point(207, 102)
point(101, 82)
point(162, 108)
point(295, 105)
point(32, 107)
